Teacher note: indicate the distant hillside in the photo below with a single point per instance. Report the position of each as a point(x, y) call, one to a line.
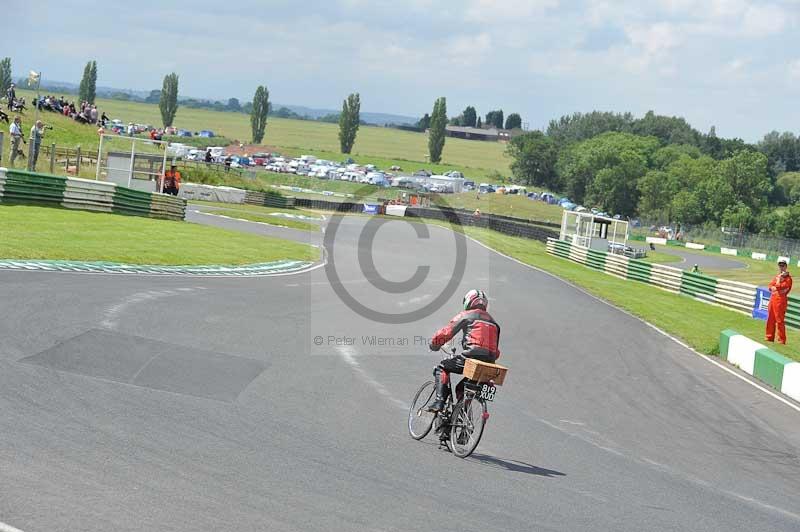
point(372, 118)
point(140, 96)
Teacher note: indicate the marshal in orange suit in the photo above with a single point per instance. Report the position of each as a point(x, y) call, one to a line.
point(779, 289)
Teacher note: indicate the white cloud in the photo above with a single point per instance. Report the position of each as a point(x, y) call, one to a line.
point(764, 20)
point(506, 11)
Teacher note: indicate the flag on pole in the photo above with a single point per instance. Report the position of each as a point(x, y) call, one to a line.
point(33, 78)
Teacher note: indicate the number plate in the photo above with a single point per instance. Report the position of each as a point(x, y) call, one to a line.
point(487, 392)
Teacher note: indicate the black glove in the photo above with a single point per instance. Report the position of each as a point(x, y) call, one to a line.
point(434, 347)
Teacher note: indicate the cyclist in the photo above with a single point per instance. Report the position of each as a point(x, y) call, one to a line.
point(481, 341)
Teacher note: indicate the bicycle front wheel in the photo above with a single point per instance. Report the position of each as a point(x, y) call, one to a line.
point(469, 418)
point(420, 421)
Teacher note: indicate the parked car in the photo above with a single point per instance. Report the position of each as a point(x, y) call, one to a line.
point(260, 159)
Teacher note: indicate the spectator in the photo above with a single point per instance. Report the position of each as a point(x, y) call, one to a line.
point(172, 181)
point(779, 288)
point(93, 114)
point(101, 130)
point(228, 161)
point(208, 156)
point(37, 133)
point(130, 129)
point(104, 118)
point(15, 130)
point(11, 95)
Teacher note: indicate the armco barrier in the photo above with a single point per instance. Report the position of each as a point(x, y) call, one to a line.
point(21, 187)
point(500, 224)
point(761, 362)
point(732, 294)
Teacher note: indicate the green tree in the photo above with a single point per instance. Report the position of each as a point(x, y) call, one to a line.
point(258, 115)
point(686, 208)
point(234, 105)
point(579, 126)
point(478, 123)
point(580, 163)
point(349, 121)
point(738, 216)
point(436, 134)
point(656, 190)
point(494, 119)
point(469, 117)
point(514, 121)
point(424, 122)
point(168, 104)
point(615, 187)
point(534, 159)
point(782, 151)
point(787, 187)
point(791, 222)
point(153, 97)
point(671, 153)
point(83, 87)
point(91, 84)
point(5, 75)
point(668, 129)
point(746, 173)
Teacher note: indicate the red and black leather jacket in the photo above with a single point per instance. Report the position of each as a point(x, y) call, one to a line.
point(481, 333)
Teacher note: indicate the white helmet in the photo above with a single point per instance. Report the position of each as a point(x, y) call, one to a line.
point(475, 299)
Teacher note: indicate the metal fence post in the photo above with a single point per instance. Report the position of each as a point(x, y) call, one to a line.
point(78, 161)
point(30, 155)
point(2, 137)
point(53, 158)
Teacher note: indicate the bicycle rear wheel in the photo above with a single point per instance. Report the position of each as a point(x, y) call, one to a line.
point(420, 421)
point(469, 418)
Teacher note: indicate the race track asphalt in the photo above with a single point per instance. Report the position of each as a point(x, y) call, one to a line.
point(704, 261)
point(186, 404)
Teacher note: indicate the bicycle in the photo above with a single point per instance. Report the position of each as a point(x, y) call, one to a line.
point(459, 425)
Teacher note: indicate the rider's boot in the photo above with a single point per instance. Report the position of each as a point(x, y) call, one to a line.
point(442, 389)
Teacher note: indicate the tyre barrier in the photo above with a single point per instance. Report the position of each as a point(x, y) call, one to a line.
point(761, 362)
point(31, 188)
point(268, 199)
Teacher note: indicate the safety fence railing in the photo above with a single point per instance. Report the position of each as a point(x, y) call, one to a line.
point(22, 187)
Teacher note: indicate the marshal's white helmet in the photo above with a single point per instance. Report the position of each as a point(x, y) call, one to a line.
point(475, 299)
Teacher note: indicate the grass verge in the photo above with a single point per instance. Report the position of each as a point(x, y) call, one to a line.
point(267, 219)
point(258, 209)
point(28, 232)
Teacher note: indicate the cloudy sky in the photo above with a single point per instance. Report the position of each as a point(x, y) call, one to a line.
point(730, 63)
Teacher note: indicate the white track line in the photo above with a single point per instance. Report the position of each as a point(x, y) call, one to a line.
point(8, 528)
point(348, 354)
point(674, 339)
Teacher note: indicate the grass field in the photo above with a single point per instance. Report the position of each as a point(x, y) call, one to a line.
point(257, 209)
point(267, 219)
point(374, 145)
point(505, 204)
point(51, 233)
